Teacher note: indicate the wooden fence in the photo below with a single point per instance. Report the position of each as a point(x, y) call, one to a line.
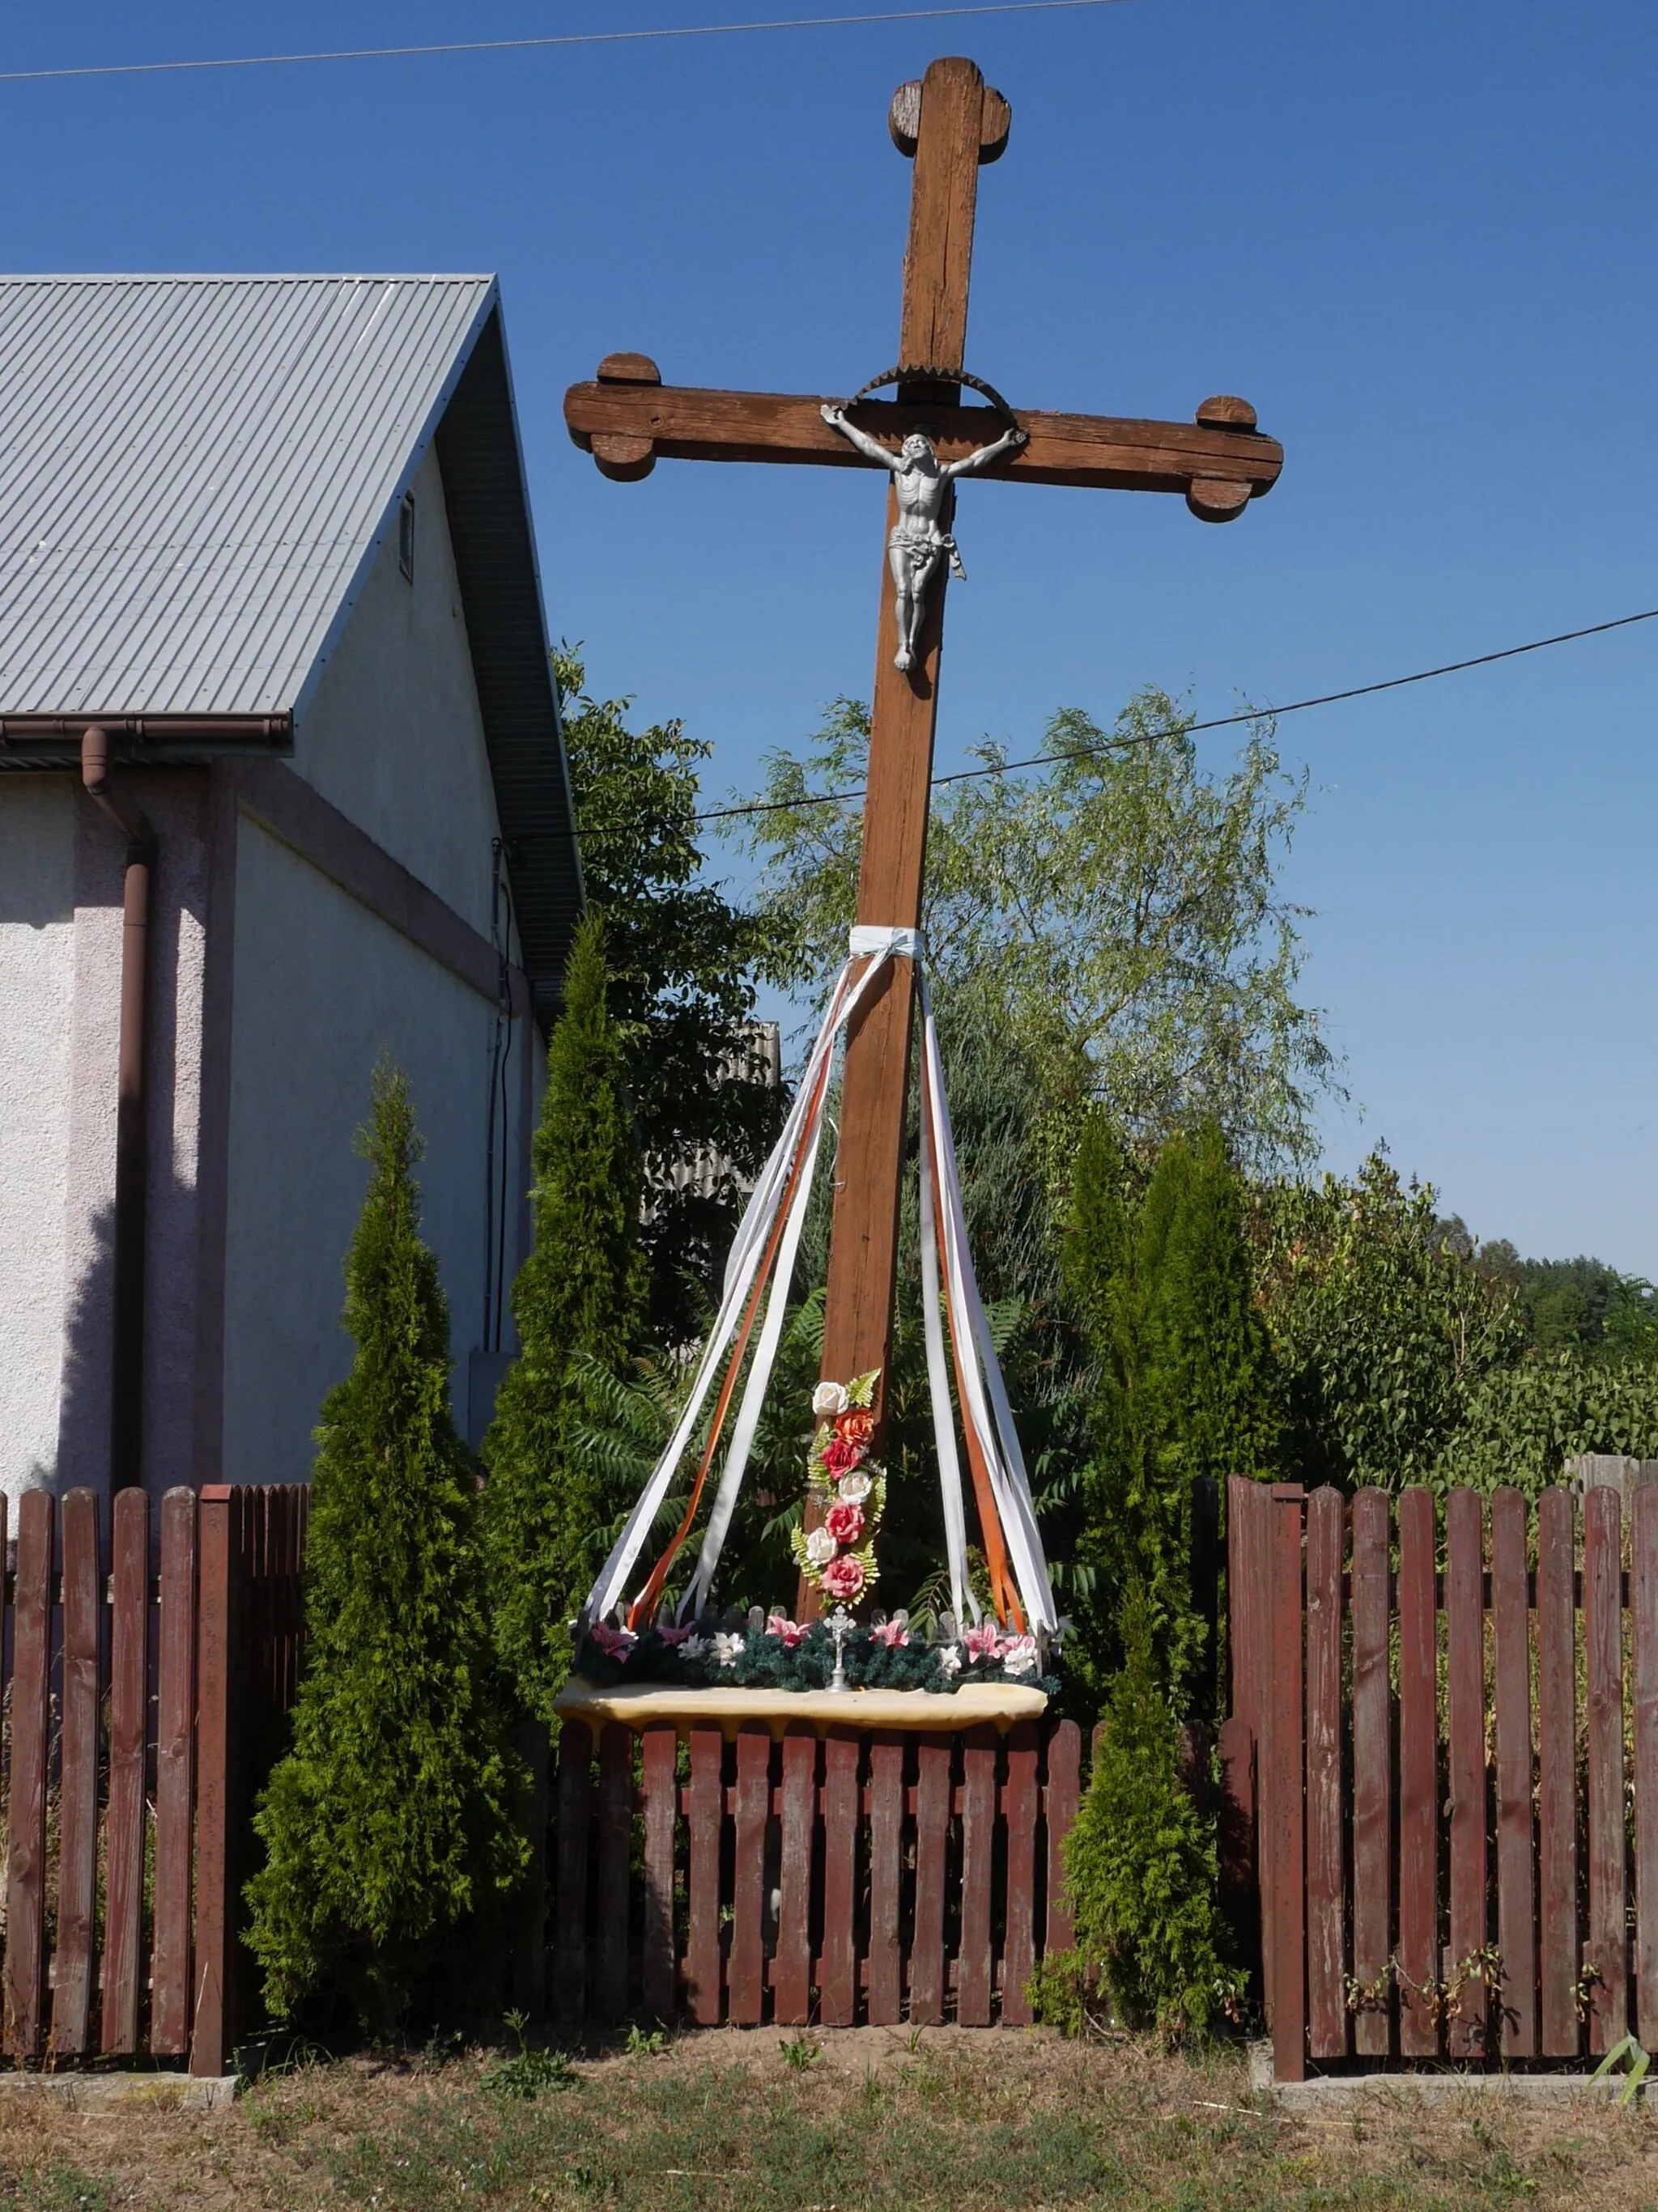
point(1444, 1745)
point(855, 1876)
point(142, 1671)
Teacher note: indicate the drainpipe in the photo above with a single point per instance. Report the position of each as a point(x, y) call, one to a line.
point(131, 1116)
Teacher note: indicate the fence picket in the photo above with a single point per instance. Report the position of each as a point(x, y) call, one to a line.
point(1643, 1610)
point(973, 1989)
point(746, 1979)
point(570, 1922)
point(792, 2005)
point(1019, 1941)
point(1062, 1797)
point(838, 1976)
point(1557, 1778)
point(77, 1783)
point(1516, 1896)
point(1372, 1774)
point(1326, 2006)
point(1603, 1655)
point(1419, 1735)
point(886, 1993)
point(707, 1823)
point(657, 1753)
point(175, 1715)
point(26, 1821)
point(129, 1716)
point(615, 1839)
point(932, 1834)
point(1465, 1671)
point(1285, 1759)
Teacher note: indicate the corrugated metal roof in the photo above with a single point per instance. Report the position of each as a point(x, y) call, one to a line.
point(196, 473)
point(193, 470)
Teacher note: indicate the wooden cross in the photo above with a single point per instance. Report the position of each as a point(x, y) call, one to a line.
point(949, 123)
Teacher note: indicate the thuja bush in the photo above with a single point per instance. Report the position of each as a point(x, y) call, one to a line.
point(1142, 1871)
point(579, 1302)
point(389, 1826)
point(1186, 1387)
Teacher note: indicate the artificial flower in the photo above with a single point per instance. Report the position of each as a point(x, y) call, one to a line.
point(614, 1643)
point(950, 1658)
point(845, 1523)
point(853, 1488)
point(790, 1631)
point(727, 1649)
point(694, 1647)
point(982, 1642)
point(842, 1577)
point(1019, 1655)
point(820, 1547)
point(672, 1637)
point(828, 1400)
point(837, 1457)
point(856, 1426)
point(892, 1633)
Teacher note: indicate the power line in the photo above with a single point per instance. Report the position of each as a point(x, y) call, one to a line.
point(564, 39)
point(1186, 729)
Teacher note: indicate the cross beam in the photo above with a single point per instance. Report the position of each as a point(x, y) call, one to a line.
point(949, 123)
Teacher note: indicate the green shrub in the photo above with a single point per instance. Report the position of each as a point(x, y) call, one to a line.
point(1187, 1388)
point(1141, 1868)
point(1523, 1423)
point(390, 1822)
point(579, 1299)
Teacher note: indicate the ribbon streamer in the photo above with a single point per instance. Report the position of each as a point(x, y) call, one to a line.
point(760, 1267)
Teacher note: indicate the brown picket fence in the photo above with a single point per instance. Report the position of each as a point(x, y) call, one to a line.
point(1443, 1750)
point(806, 1879)
point(145, 1663)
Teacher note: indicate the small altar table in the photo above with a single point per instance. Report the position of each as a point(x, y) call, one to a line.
point(642, 1705)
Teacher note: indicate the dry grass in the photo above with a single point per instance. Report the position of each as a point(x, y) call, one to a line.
point(998, 2120)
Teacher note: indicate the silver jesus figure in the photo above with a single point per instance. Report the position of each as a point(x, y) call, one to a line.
point(918, 540)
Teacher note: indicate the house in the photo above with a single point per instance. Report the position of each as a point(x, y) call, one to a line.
point(282, 787)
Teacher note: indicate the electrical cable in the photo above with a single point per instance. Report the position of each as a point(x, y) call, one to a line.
point(1187, 729)
point(563, 38)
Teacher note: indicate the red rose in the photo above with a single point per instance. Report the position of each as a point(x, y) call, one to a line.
point(842, 1577)
point(845, 1523)
point(838, 1457)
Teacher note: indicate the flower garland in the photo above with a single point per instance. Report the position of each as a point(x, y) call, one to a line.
point(780, 1654)
point(838, 1558)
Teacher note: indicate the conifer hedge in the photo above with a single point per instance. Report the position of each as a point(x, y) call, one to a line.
point(390, 1823)
point(579, 1299)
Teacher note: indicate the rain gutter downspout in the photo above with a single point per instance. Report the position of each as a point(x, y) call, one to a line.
point(131, 1116)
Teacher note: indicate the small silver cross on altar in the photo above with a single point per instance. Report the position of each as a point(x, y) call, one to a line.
point(840, 1624)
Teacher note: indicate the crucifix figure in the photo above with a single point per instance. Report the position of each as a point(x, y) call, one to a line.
point(919, 539)
point(949, 123)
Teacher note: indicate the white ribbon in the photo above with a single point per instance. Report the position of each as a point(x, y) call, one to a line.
point(984, 1399)
point(866, 938)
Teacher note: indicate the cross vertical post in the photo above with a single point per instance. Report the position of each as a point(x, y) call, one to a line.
point(956, 122)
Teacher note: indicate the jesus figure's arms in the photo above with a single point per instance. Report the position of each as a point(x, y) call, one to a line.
point(1009, 442)
point(836, 418)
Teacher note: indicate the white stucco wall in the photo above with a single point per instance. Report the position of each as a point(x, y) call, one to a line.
point(393, 735)
point(37, 984)
point(61, 864)
point(321, 988)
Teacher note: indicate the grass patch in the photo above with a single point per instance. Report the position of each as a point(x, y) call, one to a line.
point(1018, 2121)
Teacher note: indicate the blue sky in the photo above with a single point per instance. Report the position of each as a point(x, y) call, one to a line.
point(1417, 238)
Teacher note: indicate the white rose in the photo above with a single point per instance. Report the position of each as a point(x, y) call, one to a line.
point(820, 1547)
point(828, 1400)
point(726, 1648)
point(853, 1488)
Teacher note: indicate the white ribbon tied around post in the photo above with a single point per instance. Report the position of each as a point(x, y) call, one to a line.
point(985, 1408)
